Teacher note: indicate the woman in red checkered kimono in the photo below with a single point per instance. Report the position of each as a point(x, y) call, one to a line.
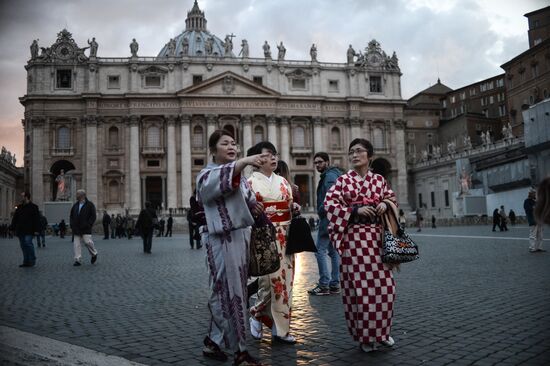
point(355, 205)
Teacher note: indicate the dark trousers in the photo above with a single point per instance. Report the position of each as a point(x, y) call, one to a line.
point(27, 247)
point(191, 235)
point(105, 231)
point(168, 231)
point(503, 225)
point(113, 232)
point(147, 241)
point(495, 224)
point(41, 239)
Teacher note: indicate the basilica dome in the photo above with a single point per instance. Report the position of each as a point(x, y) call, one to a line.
point(196, 40)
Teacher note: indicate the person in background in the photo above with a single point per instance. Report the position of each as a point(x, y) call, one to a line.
point(512, 216)
point(503, 219)
point(41, 237)
point(62, 229)
point(146, 227)
point(196, 219)
point(83, 216)
point(112, 224)
point(496, 220)
point(162, 222)
point(402, 218)
point(542, 208)
point(106, 221)
point(129, 220)
point(419, 219)
point(26, 223)
point(433, 222)
point(169, 224)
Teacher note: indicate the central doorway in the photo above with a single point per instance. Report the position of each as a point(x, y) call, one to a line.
point(302, 181)
point(153, 191)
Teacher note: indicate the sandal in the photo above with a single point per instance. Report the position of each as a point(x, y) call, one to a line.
point(212, 350)
point(243, 358)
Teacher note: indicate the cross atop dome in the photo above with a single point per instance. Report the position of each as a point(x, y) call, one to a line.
point(195, 19)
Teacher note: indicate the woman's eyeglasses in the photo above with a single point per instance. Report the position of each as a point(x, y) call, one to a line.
point(357, 151)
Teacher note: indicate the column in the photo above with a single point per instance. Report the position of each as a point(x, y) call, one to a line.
point(246, 122)
point(143, 192)
point(91, 158)
point(272, 129)
point(172, 201)
point(402, 187)
point(38, 146)
point(135, 189)
point(318, 141)
point(163, 205)
point(211, 125)
point(284, 149)
point(186, 174)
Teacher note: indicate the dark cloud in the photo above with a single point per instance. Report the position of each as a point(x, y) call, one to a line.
point(449, 39)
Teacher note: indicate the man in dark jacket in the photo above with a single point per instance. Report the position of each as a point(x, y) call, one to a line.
point(535, 229)
point(146, 226)
point(106, 221)
point(83, 216)
point(41, 237)
point(329, 281)
point(26, 223)
point(169, 224)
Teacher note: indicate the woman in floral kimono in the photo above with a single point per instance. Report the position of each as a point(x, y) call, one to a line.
point(274, 302)
point(355, 205)
point(228, 205)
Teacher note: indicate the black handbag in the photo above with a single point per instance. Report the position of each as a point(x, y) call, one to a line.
point(399, 248)
point(264, 254)
point(299, 237)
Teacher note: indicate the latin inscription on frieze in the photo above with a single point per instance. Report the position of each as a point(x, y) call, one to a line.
point(154, 104)
point(228, 104)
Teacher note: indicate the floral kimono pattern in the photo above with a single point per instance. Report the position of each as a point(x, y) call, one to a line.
point(274, 303)
point(226, 236)
point(367, 283)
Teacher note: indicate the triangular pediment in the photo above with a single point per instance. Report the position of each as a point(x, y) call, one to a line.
point(228, 84)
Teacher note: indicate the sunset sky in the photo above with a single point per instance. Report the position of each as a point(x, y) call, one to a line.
point(460, 42)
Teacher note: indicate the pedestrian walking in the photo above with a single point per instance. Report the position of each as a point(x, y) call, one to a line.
point(26, 223)
point(496, 220)
point(41, 237)
point(226, 197)
point(62, 229)
point(146, 226)
point(83, 216)
point(196, 218)
point(503, 219)
point(273, 306)
point(512, 217)
point(329, 278)
point(535, 229)
point(419, 219)
point(354, 206)
point(112, 226)
point(169, 224)
point(402, 219)
point(542, 208)
point(433, 222)
point(129, 220)
point(161, 227)
point(106, 222)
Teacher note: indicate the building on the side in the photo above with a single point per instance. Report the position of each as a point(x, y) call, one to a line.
point(131, 129)
point(539, 26)
point(11, 185)
point(537, 139)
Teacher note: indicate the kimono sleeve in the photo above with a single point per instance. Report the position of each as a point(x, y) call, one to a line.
point(338, 213)
point(217, 182)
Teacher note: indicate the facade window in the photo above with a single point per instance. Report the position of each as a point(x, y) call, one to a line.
point(258, 134)
point(335, 137)
point(153, 163)
point(420, 203)
point(462, 95)
point(444, 103)
point(298, 83)
point(453, 99)
point(378, 138)
point(535, 70)
point(301, 162)
point(502, 110)
point(153, 136)
point(63, 138)
point(64, 79)
point(446, 198)
point(472, 92)
point(485, 113)
point(432, 197)
point(113, 137)
point(375, 84)
point(197, 79)
point(198, 137)
point(113, 82)
point(198, 162)
point(299, 137)
point(152, 81)
point(333, 86)
point(500, 83)
point(258, 80)
point(113, 191)
point(491, 99)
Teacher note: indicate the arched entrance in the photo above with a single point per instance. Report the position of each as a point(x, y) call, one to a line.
point(63, 181)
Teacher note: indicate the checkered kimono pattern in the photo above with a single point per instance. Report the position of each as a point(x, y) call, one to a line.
point(367, 283)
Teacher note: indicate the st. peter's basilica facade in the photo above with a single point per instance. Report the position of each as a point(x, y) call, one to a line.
point(130, 129)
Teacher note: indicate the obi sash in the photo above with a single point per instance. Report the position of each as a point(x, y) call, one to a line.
point(277, 211)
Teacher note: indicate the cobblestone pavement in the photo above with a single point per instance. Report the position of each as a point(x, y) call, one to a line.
point(475, 297)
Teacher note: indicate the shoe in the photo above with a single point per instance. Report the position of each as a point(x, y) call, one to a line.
point(388, 343)
point(255, 328)
point(319, 291)
point(541, 250)
point(26, 265)
point(286, 339)
point(94, 259)
point(77, 263)
point(370, 347)
point(213, 351)
point(334, 289)
point(243, 358)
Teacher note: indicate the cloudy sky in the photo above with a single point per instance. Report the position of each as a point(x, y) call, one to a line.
point(459, 41)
